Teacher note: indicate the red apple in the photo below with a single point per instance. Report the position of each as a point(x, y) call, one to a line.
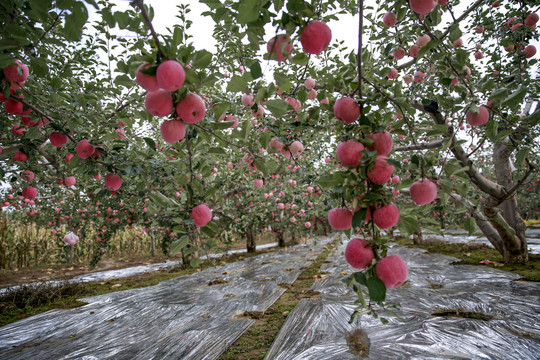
point(280, 47)
point(113, 182)
point(340, 219)
point(296, 148)
point(27, 175)
point(479, 118)
point(147, 82)
point(29, 192)
point(315, 37)
point(201, 214)
point(309, 83)
point(389, 19)
point(84, 149)
point(423, 191)
point(58, 139)
point(191, 109)
point(12, 72)
point(381, 171)
point(348, 153)
point(386, 216)
point(346, 110)
point(173, 130)
point(170, 75)
point(422, 7)
point(159, 102)
point(392, 270)
point(382, 142)
point(70, 180)
point(359, 254)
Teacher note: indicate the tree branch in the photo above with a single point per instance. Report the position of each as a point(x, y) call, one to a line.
point(421, 146)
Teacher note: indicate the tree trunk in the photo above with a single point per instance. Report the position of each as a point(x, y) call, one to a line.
point(418, 238)
point(510, 225)
point(153, 244)
point(280, 238)
point(293, 238)
point(251, 246)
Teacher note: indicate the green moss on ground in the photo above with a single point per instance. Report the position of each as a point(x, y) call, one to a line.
point(256, 341)
point(473, 254)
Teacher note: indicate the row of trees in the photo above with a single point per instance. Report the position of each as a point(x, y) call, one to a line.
point(451, 83)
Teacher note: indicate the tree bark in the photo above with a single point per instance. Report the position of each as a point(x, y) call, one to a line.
point(251, 246)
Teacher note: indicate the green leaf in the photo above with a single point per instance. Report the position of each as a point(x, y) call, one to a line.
point(331, 180)
point(358, 217)
point(179, 244)
point(520, 157)
point(8, 44)
point(256, 71)
point(201, 59)
point(282, 81)
point(277, 107)
point(491, 129)
point(516, 98)
point(260, 164)
point(360, 278)
point(248, 11)
point(470, 225)
point(217, 150)
point(150, 142)
point(408, 225)
point(238, 84)
point(376, 289)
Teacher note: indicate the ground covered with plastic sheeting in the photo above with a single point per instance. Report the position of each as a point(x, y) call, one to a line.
point(190, 317)
point(506, 311)
point(127, 272)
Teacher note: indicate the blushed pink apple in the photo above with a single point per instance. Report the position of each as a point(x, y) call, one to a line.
point(248, 100)
point(393, 73)
point(389, 19)
point(29, 192)
point(312, 94)
point(392, 270)
point(113, 182)
point(191, 109)
point(11, 72)
point(258, 183)
point(531, 20)
point(348, 153)
point(529, 51)
point(159, 103)
point(315, 37)
point(70, 181)
point(423, 191)
point(419, 76)
point(296, 148)
point(307, 224)
point(309, 83)
point(27, 175)
point(458, 43)
point(359, 254)
point(58, 139)
point(346, 110)
point(173, 130)
point(147, 82)
point(381, 171)
point(479, 118)
point(170, 75)
point(259, 113)
point(280, 47)
point(71, 239)
point(422, 7)
point(399, 53)
point(201, 215)
point(413, 50)
point(423, 40)
point(84, 149)
point(340, 219)
point(382, 143)
point(386, 216)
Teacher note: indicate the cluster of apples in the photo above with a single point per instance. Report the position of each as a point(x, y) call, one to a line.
point(159, 101)
point(315, 38)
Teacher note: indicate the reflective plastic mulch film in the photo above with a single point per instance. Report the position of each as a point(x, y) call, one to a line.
point(318, 328)
point(191, 317)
